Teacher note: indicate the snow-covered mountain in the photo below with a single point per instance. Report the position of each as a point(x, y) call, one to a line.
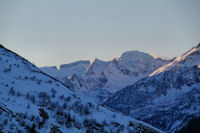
point(67, 70)
point(168, 98)
point(32, 101)
point(101, 79)
point(190, 58)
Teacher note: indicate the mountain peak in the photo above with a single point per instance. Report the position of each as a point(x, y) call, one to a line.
point(192, 54)
point(74, 64)
point(135, 55)
point(97, 65)
point(190, 58)
point(97, 60)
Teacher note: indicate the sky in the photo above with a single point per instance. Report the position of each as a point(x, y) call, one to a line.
point(54, 32)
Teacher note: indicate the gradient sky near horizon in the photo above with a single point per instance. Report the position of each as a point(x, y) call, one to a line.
point(54, 32)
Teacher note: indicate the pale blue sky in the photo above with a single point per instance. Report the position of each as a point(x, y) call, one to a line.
point(53, 32)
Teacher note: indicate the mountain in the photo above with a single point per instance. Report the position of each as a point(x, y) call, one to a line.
point(67, 69)
point(168, 98)
point(190, 58)
point(105, 78)
point(101, 79)
point(32, 101)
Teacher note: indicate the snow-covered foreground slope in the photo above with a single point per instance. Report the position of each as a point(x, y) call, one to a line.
point(101, 79)
point(31, 101)
point(168, 98)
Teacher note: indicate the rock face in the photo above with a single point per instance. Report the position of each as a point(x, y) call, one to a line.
point(100, 79)
point(32, 101)
point(168, 98)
